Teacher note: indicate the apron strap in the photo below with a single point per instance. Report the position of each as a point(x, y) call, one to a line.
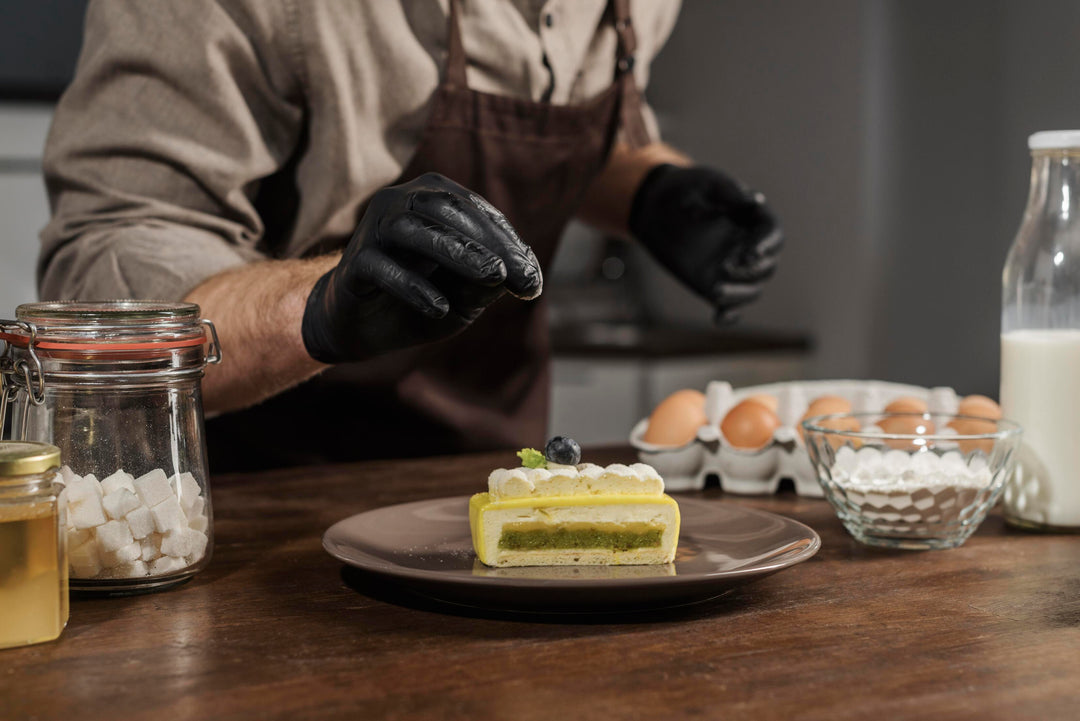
point(624, 28)
point(631, 119)
point(455, 49)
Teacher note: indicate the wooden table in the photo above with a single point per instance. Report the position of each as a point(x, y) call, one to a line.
point(271, 630)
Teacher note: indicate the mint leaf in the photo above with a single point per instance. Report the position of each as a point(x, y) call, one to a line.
point(532, 458)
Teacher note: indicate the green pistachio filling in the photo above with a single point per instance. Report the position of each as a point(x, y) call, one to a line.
point(612, 536)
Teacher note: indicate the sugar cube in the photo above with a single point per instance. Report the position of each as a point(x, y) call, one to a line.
point(187, 490)
point(196, 541)
point(141, 522)
point(153, 487)
point(129, 553)
point(77, 491)
point(87, 513)
point(108, 558)
point(150, 549)
point(67, 475)
point(166, 564)
point(77, 537)
point(119, 503)
point(114, 535)
point(116, 481)
point(134, 569)
point(199, 523)
point(84, 560)
point(169, 516)
point(176, 544)
point(82, 488)
point(125, 570)
point(197, 508)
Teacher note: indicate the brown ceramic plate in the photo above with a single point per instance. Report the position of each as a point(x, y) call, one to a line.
point(427, 548)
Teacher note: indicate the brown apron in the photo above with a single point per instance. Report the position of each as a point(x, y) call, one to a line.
point(486, 388)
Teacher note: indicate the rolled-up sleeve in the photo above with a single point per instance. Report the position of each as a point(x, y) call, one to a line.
point(177, 112)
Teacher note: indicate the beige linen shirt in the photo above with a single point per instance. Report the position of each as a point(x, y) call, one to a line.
point(202, 134)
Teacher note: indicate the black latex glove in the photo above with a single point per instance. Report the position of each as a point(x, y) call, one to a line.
point(714, 235)
point(426, 259)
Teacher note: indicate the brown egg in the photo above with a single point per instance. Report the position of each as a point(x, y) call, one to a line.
point(676, 419)
point(908, 426)
point(974, 427)
point(769, 401)
point(846, 423)
point(749, 425)
point(907, 404)
point(826, 405)
point(980, 407)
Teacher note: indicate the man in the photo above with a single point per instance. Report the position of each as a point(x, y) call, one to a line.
point(362, 195)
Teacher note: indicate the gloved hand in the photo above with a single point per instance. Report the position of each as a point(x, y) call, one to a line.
point(426, 259)
point(714, 235)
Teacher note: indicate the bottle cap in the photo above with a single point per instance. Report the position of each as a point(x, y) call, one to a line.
point(1054, 139)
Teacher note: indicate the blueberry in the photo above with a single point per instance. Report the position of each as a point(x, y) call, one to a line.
point(561, 449)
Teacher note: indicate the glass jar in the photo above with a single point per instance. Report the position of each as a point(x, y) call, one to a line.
point(116, 386)
point(1040, 340)
point(33, 546)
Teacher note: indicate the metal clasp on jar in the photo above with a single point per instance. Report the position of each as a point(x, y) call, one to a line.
point(20, 375)
point(213, 353)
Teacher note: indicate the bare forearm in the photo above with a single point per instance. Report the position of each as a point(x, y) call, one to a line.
point(257, 310)
point(609, 197)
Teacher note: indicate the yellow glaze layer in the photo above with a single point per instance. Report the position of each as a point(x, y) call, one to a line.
point(482, 502)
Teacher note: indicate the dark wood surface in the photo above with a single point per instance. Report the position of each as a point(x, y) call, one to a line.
point(272, 630)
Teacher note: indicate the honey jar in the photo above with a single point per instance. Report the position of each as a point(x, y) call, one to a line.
point(33, 547)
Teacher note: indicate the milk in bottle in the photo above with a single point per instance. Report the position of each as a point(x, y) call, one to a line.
point(1040, 340)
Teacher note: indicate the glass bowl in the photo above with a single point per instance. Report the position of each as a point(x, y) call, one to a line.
point(911, 480)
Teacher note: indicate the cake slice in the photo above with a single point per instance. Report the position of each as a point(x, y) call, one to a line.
point(575, 573)
point(566, 515)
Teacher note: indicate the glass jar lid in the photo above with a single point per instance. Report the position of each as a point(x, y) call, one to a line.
point(108, 312)
point(112, 325)
point(143, 326)
point(25, 458)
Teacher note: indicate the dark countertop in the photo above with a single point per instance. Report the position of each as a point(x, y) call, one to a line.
point(272, 630)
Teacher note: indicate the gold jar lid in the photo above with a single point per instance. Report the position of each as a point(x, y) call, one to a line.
point(26, 458)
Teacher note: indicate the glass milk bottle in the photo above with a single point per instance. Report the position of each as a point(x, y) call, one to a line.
point(1040, 340)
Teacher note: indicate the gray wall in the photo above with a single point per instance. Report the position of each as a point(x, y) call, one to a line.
point(890, 135)
point(773, 92)
point(23, 206)
point(39, 43)
point(946, 222)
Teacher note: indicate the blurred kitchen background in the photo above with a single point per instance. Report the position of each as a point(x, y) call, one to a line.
point(889, 135)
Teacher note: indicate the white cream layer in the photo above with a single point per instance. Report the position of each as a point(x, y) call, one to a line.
point(584, 479)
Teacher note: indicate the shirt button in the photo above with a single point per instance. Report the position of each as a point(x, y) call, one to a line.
point(549, 19)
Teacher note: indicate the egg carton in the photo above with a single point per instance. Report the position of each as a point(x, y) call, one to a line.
point(759, 472)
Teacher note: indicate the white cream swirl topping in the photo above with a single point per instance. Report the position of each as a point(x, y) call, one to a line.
point(583, 479)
